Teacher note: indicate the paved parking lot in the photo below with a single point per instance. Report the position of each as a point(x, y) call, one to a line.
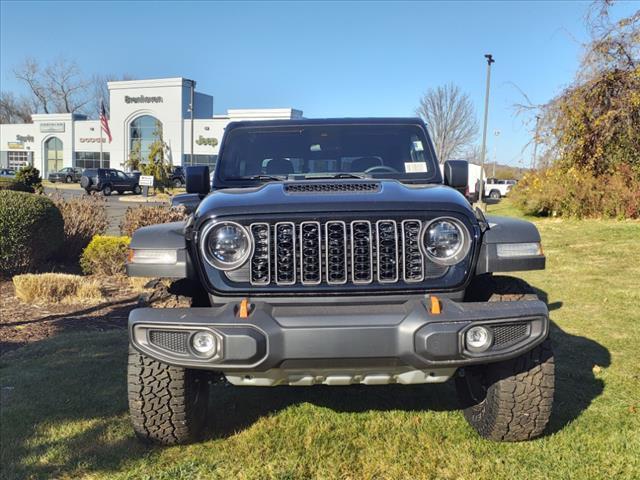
point(115, 207)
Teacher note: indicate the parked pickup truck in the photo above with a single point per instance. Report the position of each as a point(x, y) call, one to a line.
point(496, 189)
point(335, 252)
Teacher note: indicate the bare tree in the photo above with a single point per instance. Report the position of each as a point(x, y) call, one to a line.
point(33, 77)
point(58, 87)
point(450, 118)
point(100, 91)
point(14, 109)
point(68, 90)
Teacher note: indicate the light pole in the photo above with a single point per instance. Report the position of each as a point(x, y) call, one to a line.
point(495, 152)
point(483, 152)
point(191, 108)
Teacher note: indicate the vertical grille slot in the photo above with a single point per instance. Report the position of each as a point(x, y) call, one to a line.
point(310, 253)
point(336, 252)
point(285, 253)
point(361, 252)
point(412, 259)
point(260, 265)
point(387, 251)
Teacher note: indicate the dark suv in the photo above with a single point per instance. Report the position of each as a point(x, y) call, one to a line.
point(177, 177)
point(67, 175)
point(336, 252)
point(108, 180)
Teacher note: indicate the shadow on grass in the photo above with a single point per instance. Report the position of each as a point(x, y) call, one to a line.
point(64, 408)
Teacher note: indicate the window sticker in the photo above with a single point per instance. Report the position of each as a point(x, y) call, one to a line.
point(417, 146)
point(415, 167)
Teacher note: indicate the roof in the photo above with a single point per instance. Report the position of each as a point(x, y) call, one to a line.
point(328, 121)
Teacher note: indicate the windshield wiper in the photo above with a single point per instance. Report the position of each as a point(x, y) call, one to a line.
point(338, 175)
point(273, 178)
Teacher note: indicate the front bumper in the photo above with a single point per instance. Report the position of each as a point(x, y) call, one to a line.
point(356, 336)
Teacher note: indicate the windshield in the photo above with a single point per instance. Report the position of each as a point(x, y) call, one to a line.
point(319, 151)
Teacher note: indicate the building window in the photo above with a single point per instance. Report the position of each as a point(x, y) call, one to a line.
point(200, 160)
point(144, 132)
point(91, 160)
point(53, 154)
point(17, 160)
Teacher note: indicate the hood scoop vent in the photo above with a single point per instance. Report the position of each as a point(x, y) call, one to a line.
point(332, 187)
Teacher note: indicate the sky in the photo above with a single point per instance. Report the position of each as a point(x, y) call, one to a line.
point(329, 59)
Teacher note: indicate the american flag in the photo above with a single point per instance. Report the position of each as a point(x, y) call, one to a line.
point(104, 124)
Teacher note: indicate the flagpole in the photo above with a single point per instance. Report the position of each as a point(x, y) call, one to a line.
point(101, 165)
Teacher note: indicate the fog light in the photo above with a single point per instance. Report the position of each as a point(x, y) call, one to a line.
point(204, 343)
point(478, 339)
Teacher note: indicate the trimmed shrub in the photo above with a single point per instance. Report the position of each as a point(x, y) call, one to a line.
point(105, 255)
point(142, 216)
point(84, 218)
point(31, 230)
point(30, 176)
point(57, 287)
point(10, 183)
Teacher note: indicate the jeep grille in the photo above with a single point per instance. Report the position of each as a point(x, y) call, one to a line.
point(336, 252)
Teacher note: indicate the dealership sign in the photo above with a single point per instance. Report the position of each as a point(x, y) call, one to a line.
point(93, 140)
point(24, 138)
point(142, 99)
point(51, 127)
point(146, 181)
point(15, 145)
point(207, 141)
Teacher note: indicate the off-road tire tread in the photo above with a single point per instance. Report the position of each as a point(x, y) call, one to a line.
point(519, 399)
point(162, 400)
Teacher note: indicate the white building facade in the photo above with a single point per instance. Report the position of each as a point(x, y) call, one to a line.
point(141, 112)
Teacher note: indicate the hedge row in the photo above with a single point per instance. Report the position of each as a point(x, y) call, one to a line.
point(31, 230)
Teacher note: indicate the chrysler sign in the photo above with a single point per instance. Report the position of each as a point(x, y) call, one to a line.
point(142, 99)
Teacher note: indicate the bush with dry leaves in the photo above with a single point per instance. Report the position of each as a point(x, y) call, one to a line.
point(84, 218)
point(142, 216)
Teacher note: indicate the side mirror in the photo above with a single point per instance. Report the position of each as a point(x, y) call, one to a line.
point(197, 179)
point(456, 174)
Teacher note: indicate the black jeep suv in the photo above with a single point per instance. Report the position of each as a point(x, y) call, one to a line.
point(177, 177)
point(335, 252)
point(108, 180)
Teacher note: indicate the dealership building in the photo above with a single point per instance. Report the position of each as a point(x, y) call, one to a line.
point(141, 112)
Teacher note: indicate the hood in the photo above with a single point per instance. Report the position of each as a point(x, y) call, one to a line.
point(322, 196)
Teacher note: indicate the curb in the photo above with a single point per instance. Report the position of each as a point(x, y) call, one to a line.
point(141, 199)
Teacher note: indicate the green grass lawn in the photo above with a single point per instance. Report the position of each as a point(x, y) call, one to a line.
point(64, 411)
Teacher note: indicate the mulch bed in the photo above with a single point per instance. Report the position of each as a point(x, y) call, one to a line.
point(22, 323)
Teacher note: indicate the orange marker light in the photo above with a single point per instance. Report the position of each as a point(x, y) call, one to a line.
point(435, 305)
point(243, 309)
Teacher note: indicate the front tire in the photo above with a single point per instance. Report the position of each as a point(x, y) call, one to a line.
point(168, 405)
point(69, 179)
point(494, 195)
point(510, 400)
point(137, 190)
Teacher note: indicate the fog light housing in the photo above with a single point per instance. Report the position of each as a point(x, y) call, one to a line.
point(478, 339)
point(204, 343)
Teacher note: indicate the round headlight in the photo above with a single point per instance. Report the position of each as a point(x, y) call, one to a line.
point(225, 245)
point(445, 241)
